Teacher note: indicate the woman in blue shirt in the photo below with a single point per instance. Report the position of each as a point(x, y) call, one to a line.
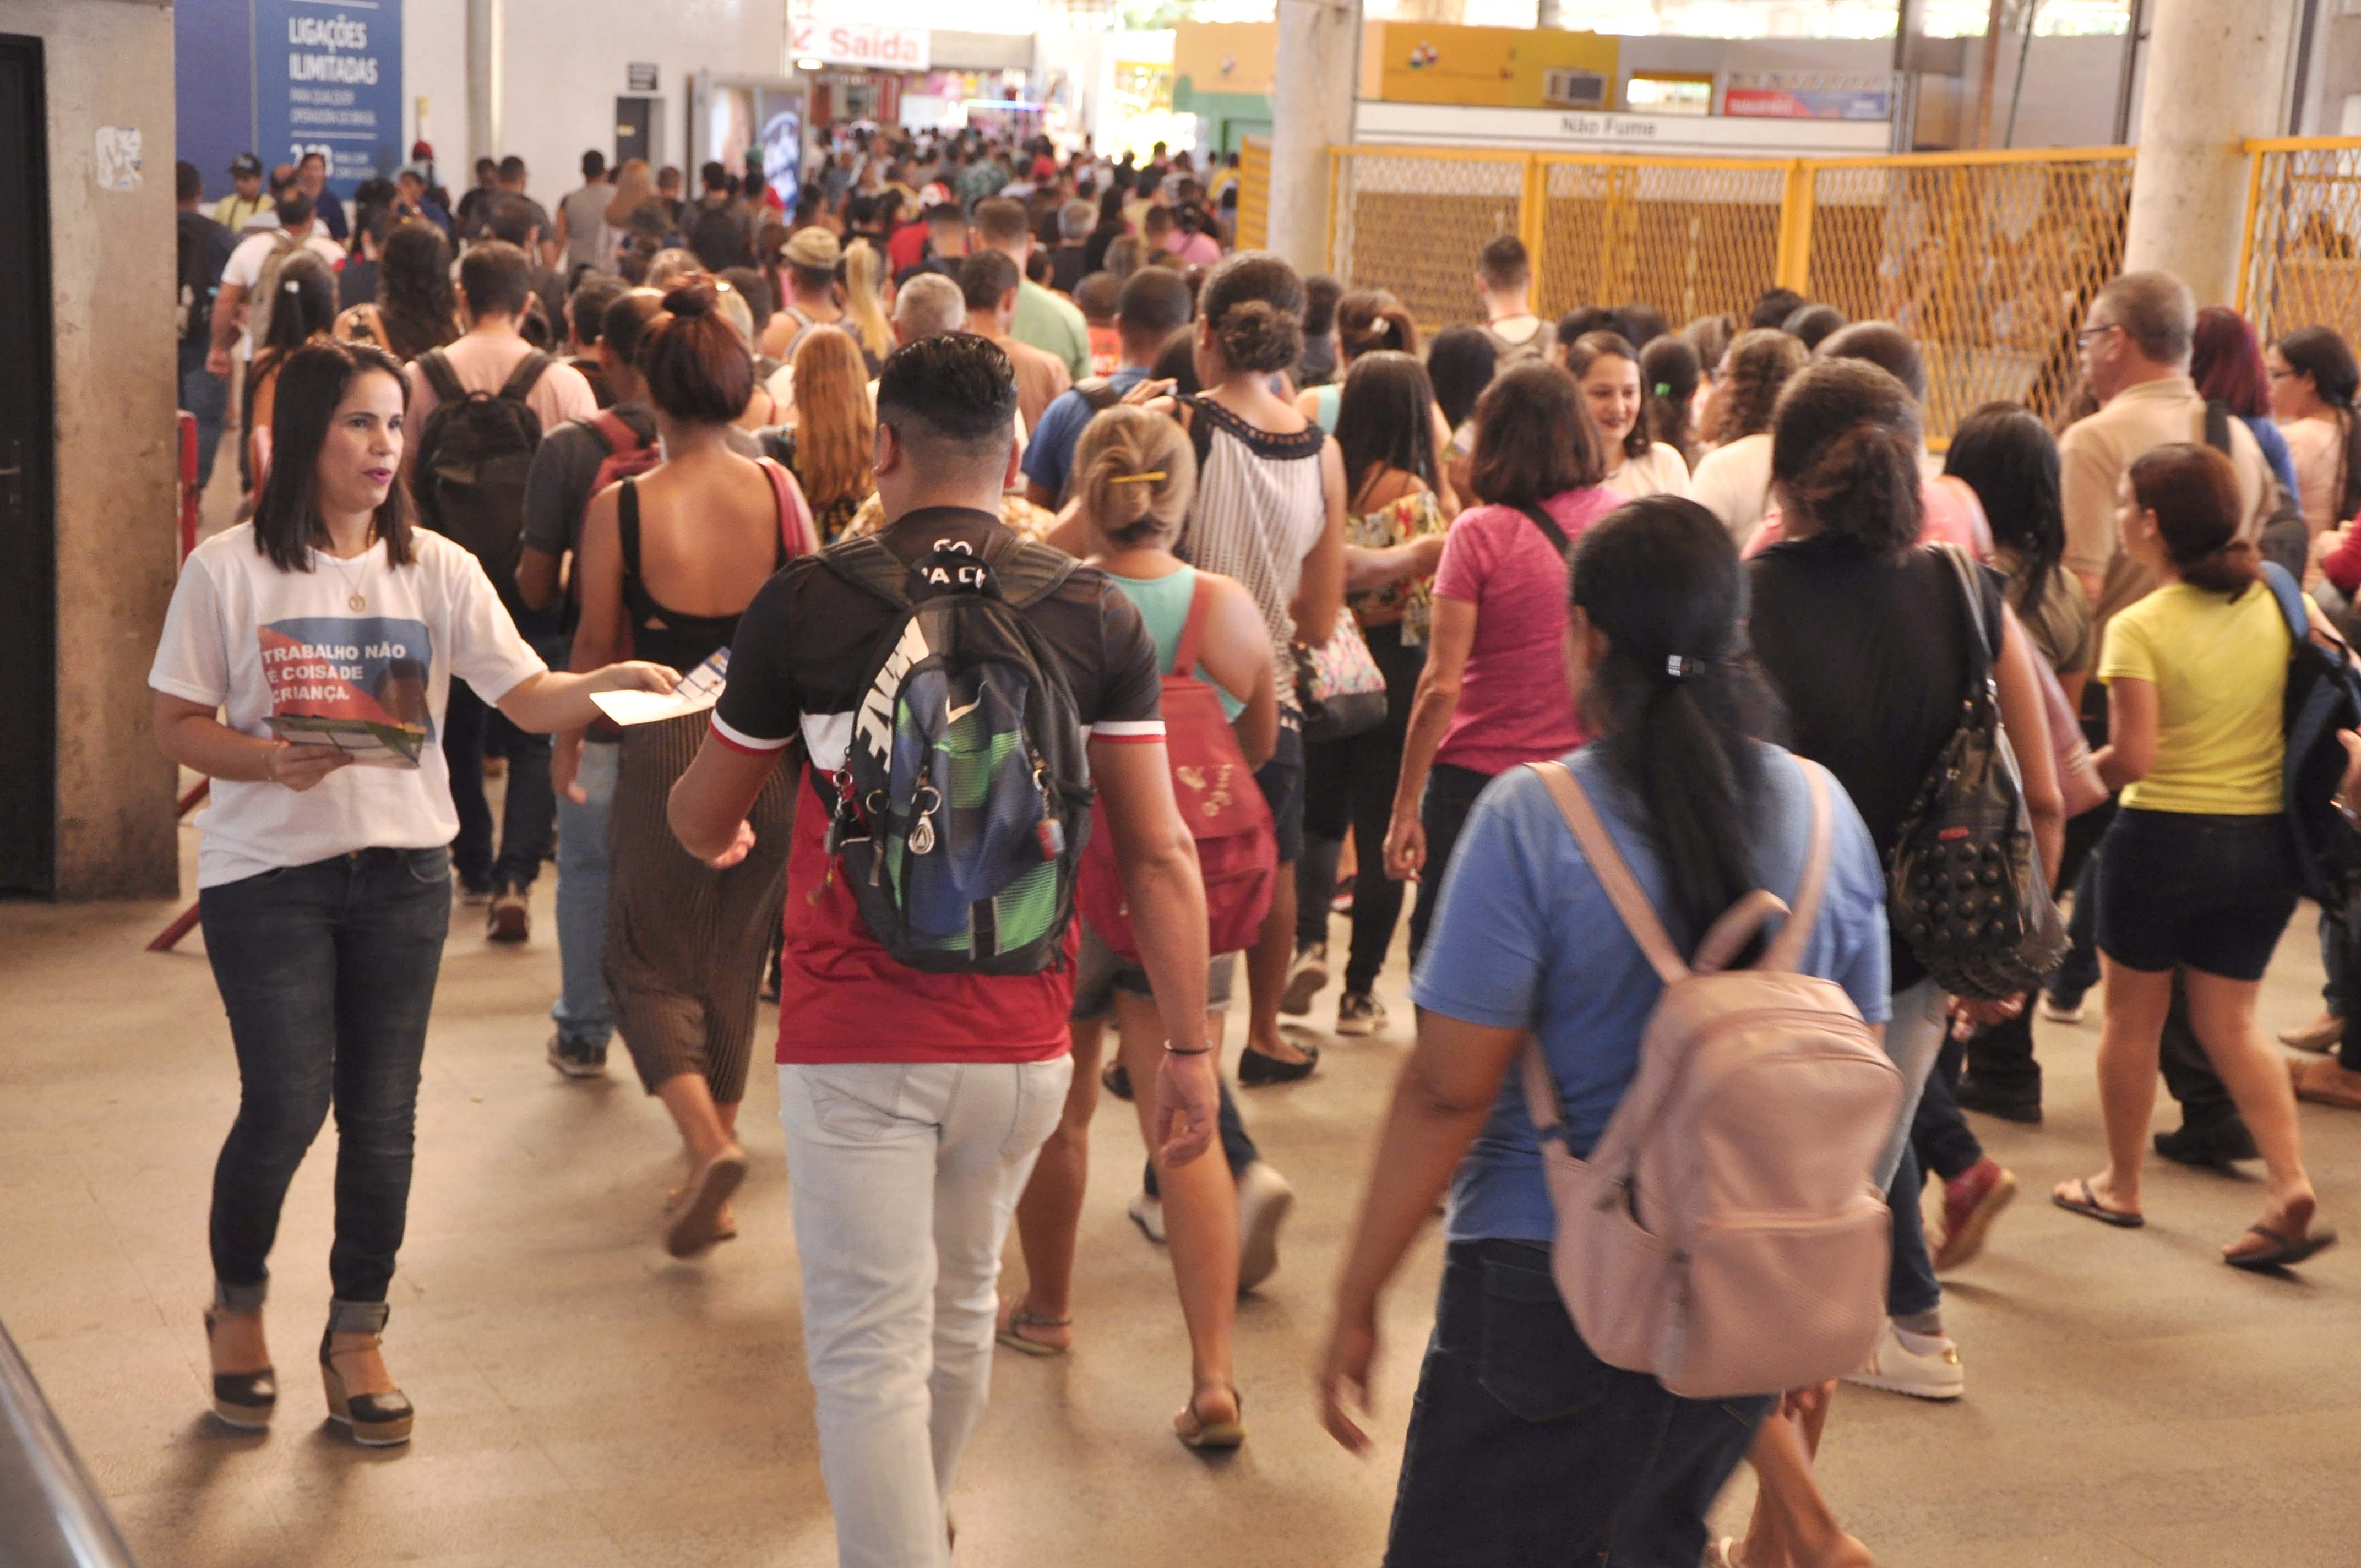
point(1523, 1446)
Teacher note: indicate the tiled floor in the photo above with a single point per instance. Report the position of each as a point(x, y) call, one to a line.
point(585, 1401)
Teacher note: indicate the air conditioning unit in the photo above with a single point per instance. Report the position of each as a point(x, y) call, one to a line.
point(1570, 89)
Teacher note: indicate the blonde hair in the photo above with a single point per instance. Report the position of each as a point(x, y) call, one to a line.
point(733, 308)
point(1135, 475)
point(633, 185)
point(863, 303)
point(836, 425)
point(669, 267)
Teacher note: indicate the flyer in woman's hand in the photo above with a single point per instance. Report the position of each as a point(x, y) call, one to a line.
point(698, 690)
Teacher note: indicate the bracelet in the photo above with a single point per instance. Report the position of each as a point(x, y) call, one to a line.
point(1173, 1050)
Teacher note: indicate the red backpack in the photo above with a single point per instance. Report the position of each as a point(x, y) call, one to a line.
point(1238, 848)
point(627, 455)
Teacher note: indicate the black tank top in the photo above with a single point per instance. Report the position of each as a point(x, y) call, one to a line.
point(667, 636)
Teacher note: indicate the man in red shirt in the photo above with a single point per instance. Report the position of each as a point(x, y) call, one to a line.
point(914, 1103)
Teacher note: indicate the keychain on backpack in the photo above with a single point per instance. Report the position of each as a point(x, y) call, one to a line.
point(924, 801)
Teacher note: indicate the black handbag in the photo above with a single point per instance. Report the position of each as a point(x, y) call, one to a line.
point(1338, 685)
point(1966, 884)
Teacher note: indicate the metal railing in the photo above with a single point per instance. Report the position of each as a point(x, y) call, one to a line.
point(2302, 262)
point(1986, 257)
point(1254, 193)
point(51, 1515)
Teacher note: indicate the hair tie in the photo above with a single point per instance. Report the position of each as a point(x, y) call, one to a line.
point(291, 287)
point(1663, 389)
point(1153, 476)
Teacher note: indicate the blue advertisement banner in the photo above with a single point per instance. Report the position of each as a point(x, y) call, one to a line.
point(327, 77)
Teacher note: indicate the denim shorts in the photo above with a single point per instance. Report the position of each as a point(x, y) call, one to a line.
point(2180, 889)
point(1282, 779)
point(1101, 971)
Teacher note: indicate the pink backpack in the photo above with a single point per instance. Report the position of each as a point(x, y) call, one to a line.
point(1724, 1235)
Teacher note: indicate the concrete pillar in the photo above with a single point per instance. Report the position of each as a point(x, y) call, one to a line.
point(2214, 74)
point(487, 21)
point(1548, 14)
point(1312, 110)
point(114, 520)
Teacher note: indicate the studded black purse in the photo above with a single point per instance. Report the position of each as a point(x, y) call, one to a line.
point(1966, 884)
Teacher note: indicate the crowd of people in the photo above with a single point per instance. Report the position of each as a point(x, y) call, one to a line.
point(1018, 520)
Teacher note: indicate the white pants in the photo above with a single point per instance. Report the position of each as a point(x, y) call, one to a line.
point(904, 1178)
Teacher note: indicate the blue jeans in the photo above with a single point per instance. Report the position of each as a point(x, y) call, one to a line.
point(582, 1012)
point(327, 972)
point(1525, 1448)
point(472, 728)
point(1451, 792)
point(205, 395)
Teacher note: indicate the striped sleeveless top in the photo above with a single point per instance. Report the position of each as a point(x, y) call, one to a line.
point(1258, 513)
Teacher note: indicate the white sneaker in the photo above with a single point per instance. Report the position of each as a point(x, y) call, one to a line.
point(1925, 1367)
point(1305, 978)
point(1148, 1213)
point(1360, 1013)
point(1264, 1198)
point(2057, 1013)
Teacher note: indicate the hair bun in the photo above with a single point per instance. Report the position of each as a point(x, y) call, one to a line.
point(693, 296)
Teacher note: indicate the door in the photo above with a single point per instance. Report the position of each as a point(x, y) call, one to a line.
point(632, 121)
point(27, 503)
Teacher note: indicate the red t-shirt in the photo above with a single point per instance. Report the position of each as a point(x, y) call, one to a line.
point(1513, 703)
point(803, 652)
point(906, 248)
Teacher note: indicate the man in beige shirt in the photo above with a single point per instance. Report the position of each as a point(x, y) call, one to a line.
point(494, 280)
point(2134, 346)
point(988, 280)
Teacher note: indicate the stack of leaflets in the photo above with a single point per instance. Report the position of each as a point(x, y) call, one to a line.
point(366, 743)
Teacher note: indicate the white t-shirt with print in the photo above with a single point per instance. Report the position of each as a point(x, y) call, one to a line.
point(255, 642)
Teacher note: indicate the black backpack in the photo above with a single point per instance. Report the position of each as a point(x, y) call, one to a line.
point(200, 281)
point(2285, 538)
point(2324, 696)
point(964, 802)
point(720, 238)
point(473, 458)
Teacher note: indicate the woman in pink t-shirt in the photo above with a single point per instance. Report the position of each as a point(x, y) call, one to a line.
point(1493, 692)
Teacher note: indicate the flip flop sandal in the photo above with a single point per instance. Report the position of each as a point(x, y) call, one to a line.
point(1208, 1437)
point(693, 1226)
point(2285, 1251)
point(1009, 1333)
point(2321, 1083)
point(2089, 1207)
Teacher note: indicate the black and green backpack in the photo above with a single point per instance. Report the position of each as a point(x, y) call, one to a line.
point(964, 800)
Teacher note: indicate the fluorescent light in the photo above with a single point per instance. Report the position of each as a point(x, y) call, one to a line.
point(808, 65)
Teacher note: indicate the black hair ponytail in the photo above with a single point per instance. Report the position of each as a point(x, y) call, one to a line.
point(1675, 703)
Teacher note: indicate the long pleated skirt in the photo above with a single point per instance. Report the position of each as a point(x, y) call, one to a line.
point(685, 943)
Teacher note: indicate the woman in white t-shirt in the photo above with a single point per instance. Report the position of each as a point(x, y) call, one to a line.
point(304, 668)
point(1733, 481)
point(1607, 367)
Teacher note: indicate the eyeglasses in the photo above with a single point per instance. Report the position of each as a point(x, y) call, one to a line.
point(2280, 375)
point(2084, 338)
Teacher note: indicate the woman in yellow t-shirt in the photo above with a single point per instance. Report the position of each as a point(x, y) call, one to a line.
point(2195, 873)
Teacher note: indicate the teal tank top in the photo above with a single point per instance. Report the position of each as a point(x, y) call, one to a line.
point(1331, 398)
point(1163, 604)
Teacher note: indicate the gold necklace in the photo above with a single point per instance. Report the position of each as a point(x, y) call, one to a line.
point(353, 598)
